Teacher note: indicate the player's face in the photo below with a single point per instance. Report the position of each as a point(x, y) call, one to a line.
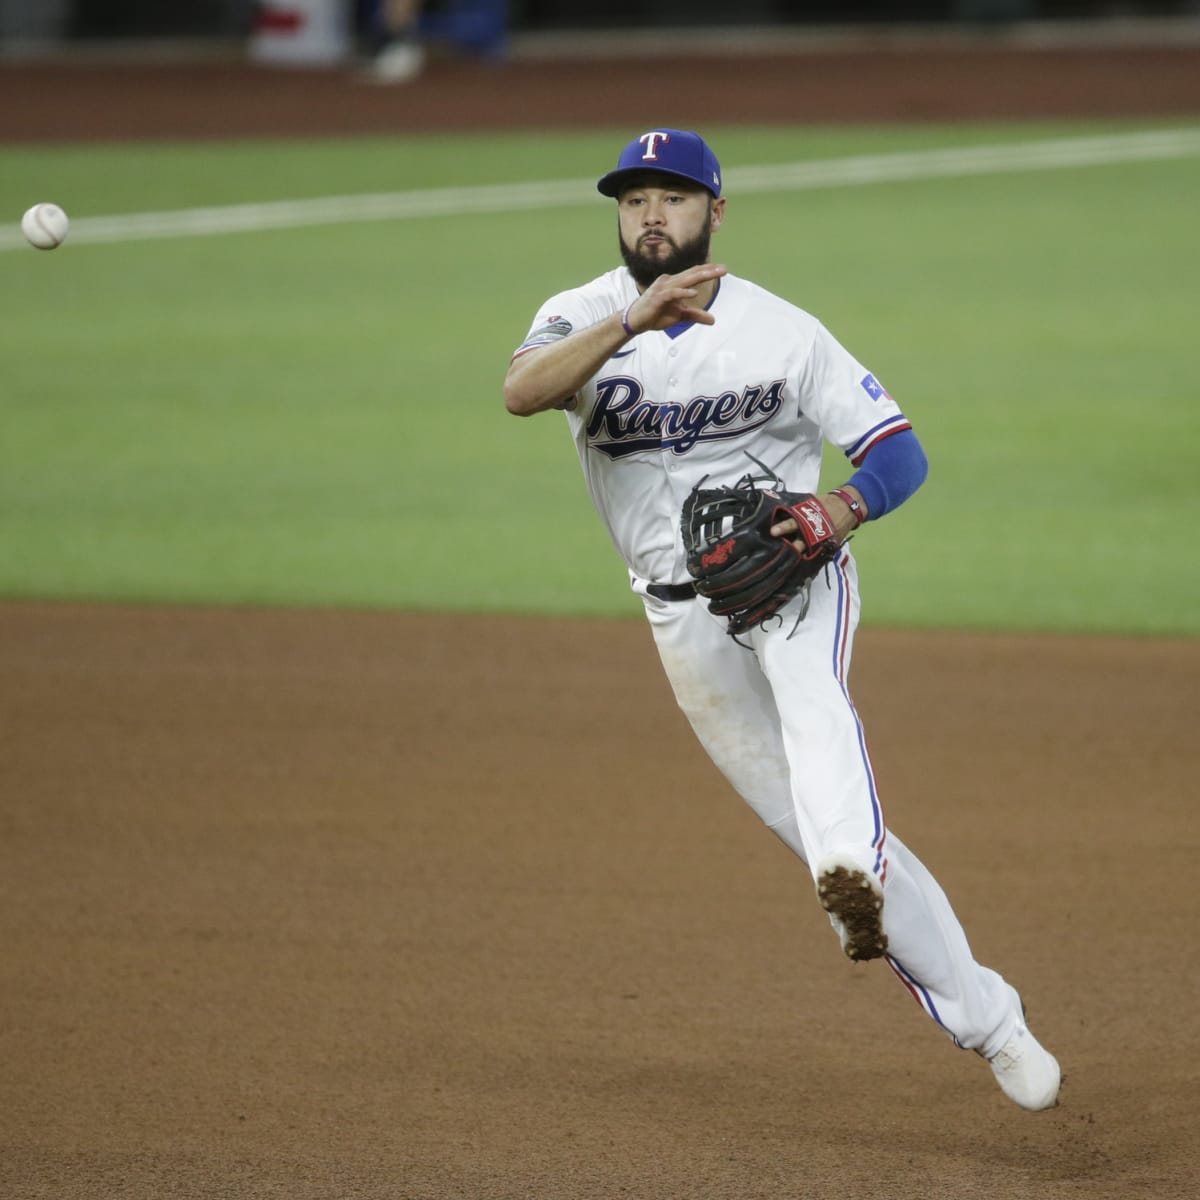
point(665, 227)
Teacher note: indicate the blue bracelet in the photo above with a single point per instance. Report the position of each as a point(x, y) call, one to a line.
point(625, 320)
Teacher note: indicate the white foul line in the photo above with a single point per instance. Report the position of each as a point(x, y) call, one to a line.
point(1046, 155)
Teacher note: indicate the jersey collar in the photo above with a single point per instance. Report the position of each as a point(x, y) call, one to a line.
point(673, 331)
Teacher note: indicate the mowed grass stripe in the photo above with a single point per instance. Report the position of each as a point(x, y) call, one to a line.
point(861, 170)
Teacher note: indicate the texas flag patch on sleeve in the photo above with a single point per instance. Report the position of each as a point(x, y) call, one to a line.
point(874, 388)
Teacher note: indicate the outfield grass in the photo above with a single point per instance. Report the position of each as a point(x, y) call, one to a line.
point(313, 416)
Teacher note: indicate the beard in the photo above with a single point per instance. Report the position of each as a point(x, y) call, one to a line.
point(679, 256)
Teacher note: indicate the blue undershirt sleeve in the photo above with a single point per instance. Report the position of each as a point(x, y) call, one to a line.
point(891, 472)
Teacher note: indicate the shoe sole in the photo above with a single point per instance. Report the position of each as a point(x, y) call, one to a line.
point(851, 896)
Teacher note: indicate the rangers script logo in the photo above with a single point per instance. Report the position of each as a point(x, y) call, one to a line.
point(624, 422)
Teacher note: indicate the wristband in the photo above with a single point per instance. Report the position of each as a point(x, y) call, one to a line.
point(625, 320)
point(854, 506)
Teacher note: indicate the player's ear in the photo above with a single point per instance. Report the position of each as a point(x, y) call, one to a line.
point(716, 214)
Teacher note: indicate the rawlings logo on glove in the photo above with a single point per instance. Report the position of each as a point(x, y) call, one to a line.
point(718, 554)
point(744, 572)
point(811, 516)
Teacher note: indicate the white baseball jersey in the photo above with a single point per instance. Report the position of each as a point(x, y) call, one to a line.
point(672, 407)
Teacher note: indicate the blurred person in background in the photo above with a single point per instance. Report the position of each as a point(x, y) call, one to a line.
point(393, 38)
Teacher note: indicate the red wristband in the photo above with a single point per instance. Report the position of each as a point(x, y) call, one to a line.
point(854, 506)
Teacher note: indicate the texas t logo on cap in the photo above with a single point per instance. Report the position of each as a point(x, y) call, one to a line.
point(676, 152)
point(650, 141)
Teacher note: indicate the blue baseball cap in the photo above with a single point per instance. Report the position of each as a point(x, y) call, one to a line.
point(667, 152)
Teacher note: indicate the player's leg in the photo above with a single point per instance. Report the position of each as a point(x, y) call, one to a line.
point(840, 816)
point(729, 705)
point(732, 709)
point(974, 1005)
point(841, 820)
point(720, 687)
point(929, 952)
point(804, 653)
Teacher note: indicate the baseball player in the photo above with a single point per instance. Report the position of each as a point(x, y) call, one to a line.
point(673, 371)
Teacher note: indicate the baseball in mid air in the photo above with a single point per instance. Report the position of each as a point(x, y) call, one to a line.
point(45, 226)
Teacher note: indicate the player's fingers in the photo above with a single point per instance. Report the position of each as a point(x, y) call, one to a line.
point(784, 528)
point(700, 274)
point(667, 297)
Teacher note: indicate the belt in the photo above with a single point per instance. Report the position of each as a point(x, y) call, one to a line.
point(672, 592)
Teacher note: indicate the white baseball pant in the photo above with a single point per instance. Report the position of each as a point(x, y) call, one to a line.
point(776, 717)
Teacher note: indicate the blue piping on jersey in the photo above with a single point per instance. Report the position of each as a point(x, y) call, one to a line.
point(674, 331)
point(891, 471)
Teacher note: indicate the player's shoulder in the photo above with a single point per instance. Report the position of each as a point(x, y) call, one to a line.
point(769, 305)
point(604, 293)
point(757, 294)
point(614, 283)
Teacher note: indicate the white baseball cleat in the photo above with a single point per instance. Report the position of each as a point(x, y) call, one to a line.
point(854, 899)
point(1026, 1071)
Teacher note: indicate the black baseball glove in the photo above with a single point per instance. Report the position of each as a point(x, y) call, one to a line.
point(745, 573)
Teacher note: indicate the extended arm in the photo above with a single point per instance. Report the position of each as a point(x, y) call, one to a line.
point(546, 376)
